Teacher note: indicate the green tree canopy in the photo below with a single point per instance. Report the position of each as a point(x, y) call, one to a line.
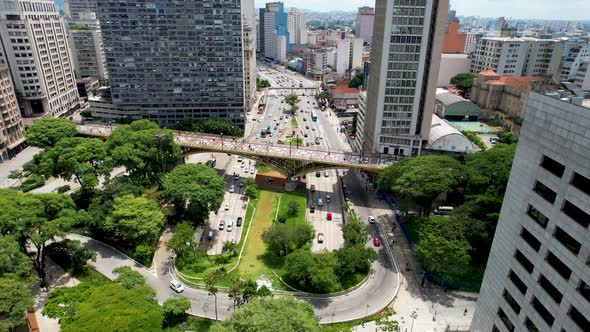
point(283, 239)
point(422, 178)
point(312, 272)
point(283, 314)
point(354, 232)
point(262, 83)
point(75, 157)
point(101, 205)
point(128, 277)
point(463, 82)
point(182, 241)
point(353, 259)
point(488, 171)
point(143, 149)
point(15, 300)
point(135, 219)
point(46, 132)
point(357, 80)
point(210, 126)
point(174, 309)
point(196, 187)
point(13, 262)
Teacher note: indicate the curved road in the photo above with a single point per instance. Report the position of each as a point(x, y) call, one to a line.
point(371, 297)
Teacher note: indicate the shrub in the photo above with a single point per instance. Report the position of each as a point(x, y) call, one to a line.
point(63, 189)
point(69, 254)
point(282, 219)
point(475, 139)
point(144, 252)
point(34, 181)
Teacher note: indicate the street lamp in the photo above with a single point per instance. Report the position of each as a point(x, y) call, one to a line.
point(414, 315)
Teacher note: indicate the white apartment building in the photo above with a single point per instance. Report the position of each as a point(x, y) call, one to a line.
point(357, 145)
point(363, 25)
point(342, 56)
point(297, 27)
point(509, 56)
point(573, 58)
point(582, 77)
point(249, 45)
point(470, 42)
point(282, 49)
point(538, 273)
point(34, 46)
point(316, 61)
point(405, 60)
point(356, 53)
point(86, 48)
point(12, 130)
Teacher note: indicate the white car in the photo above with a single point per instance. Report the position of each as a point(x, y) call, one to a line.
point(371, 220)
point(176, 286)
point(252, 170)
point(230, 226)
point(226, 206)
point(232, 188)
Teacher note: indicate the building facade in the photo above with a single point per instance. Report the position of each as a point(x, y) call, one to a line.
point(363, 24)
point(79, 9)
point(451, 65)
point(297, 27)
point(582, 78)
point(274, 25)
point(454, 41)
point(574, 52)
point(524, 56)
point(315, 63)
point(249, 41)
point(405, 59)
point(538, 274)
point(12, 130)
point(87, 49)
point(356, 53)
point(174, 60)
point(34, 46)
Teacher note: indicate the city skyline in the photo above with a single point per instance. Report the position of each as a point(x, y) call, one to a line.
point(520, 9)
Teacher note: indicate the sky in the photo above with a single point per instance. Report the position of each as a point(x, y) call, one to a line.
point(540, 9)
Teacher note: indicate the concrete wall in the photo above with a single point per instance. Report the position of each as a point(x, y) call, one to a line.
point(451, 65)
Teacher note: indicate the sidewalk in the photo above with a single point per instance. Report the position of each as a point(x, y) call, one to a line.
point(15, 163)
point(434, 308)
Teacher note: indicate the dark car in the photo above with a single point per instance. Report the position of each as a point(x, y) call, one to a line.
point(312, 209)
point(239, 222)
point(318, 174)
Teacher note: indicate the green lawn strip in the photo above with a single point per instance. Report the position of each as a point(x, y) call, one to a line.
point(294, 122)
point(192, 323)
point(265, 168)
point(348, 326)
point(90, 275)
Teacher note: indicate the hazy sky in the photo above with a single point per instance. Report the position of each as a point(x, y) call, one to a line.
point(543, 9)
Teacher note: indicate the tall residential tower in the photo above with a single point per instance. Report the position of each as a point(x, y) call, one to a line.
point(363, 24)
point(170, 60)
point(538, 272)
point(405, 60)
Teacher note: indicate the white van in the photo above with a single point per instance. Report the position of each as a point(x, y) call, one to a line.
point(443, 210)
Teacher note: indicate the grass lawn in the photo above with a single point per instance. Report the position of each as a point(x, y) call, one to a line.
point(265, 168)
point(300, 198)
point(90, 275)
point(192, 323)
point(294, 122)
point(347, 326)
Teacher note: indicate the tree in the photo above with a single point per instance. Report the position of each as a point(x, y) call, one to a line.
point(291, 99)
point(292, 209)
point(76, 157)
point(507, 137)
point(182, 241)
point(46, 132)
point(145, 150)
point(262, 83)
point(194, 187)
point(235, 290)
point(325, 95)
point(101, 205)
point(353, 259)
point(121, 309)
point(128, 277)
point(385, 324)
point(422, 178)
point(15, 300)
point(270, 315)
point(13, 262)
point(357, 81)
point(463, 82)
point(354, 232)
point(251, 190)
point(282, 239)
point(210, 126)
point(174, 310)
point(211, 280)
point(70, 255)
point(135, 219)
point(17, 175)
point(488, 171)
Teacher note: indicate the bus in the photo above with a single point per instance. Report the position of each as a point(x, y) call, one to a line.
point(314, 117)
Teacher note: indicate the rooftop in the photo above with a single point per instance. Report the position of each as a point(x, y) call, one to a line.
point(518, 39)
point(448, 98)
point(342, 87)
point(520, 83)
point(488, 72)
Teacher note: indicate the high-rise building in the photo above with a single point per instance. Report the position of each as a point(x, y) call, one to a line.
point(249, 28)
point(80, 9)
point(356, 53)
point(297, 27)
point(363, 24)
point(405, 60)
point(316, 63)
point(574, 52)
point(12, 130)
point(86, 48)
point(538, 272)
point(524, 56)
point(274, 24)
point(173, 60)
point(34, 46)
point(582, 77)
point(343, 56)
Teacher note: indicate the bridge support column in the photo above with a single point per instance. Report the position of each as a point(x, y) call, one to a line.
point(291, 184)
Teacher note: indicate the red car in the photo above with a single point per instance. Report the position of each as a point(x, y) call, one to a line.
point(329, 216)
point(376, 242)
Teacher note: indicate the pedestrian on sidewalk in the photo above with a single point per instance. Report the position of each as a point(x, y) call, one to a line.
point(465, 312)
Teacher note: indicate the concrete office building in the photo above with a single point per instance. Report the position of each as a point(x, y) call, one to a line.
point(538, 274)
point(363, 24)
point(405, 59)
point(79, 9)
point(574, 55)
point(87, 49)
point(12, 130)
point(357, 145)
point(34, 46)
point(356, 53)
point(451, 65)
point(297, 27)
point(470, 42)
point(274, 24)
point(342, 56)
point(249, 37)
point(524, 56)
point(173, 60)
point(582, 78)
point(316, 63)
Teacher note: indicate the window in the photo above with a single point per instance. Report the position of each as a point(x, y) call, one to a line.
point(568, 241)
point(576, 214)
point(530, 326)
point(524, 262)
point(550, 289)
point(552, 166)
point(537, 216)
point(517, 282)
point(544, 191)
point(581, 182)
point(579, 318)
point(511, 301)
point(505, 320)
point(584, 290)
point(542, 311)
point(558, 265)
point(530, 239)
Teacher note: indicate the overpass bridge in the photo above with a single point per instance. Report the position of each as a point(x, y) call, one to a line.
point(289, 160)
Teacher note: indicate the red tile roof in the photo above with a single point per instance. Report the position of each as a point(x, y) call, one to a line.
point(520, 83)
point(342, 87)
point(488, 72)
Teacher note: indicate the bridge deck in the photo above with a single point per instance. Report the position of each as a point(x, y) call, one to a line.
point(239, 146)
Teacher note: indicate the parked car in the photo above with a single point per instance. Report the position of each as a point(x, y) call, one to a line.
point(494, 140)
point(221, 225)
point(371, 220)
point(329, 216)
point(376, 242)
point(241, 183)
point(210, 236)
point(226, 206)
point(326, 174)
point(232, 188)
point(317, 140)
point(176, 286)
point(320, 202)
point(320, 237)
point(252, 170)
point(236, 176)
point(318, 174)
point(230, 226)
point(312, 188)
point(239, 222)
point(312, 208)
